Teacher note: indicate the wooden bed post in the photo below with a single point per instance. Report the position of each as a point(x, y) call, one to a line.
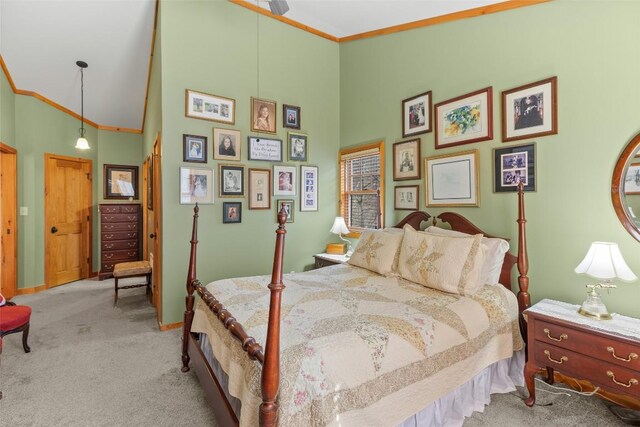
point(189, 299)
point(524, 299)
point(271, 366)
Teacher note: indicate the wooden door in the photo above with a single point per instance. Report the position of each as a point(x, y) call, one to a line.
point(154, 222)
point(67, 208)
point(8, 221)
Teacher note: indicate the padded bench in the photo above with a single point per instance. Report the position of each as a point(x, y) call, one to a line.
point(125, 270)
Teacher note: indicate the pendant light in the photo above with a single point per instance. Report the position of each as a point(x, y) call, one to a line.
point(82, 143)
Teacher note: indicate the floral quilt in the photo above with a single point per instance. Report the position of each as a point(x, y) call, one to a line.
point(358, 348)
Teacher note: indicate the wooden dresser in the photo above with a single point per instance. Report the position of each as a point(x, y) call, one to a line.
point(604, 352)
point(120, 236)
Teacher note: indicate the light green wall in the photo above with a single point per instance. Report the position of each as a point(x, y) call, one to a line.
point(218, 54)
point(7, 111)
point(118, 148)
point(153, 114)
point(592, 48)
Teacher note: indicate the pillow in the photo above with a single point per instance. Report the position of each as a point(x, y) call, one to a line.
point(449, 264)
point(493, 257)
point(376, 251)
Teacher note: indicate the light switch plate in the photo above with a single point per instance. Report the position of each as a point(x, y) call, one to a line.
point(24, 210)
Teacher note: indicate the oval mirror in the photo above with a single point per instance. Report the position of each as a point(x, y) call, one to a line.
point(625, 187)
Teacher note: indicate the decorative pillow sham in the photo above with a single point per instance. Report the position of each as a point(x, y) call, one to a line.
point(449, 264)
point(376, 251)
point(493, 257)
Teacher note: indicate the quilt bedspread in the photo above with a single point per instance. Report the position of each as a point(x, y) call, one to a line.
point(357, 348)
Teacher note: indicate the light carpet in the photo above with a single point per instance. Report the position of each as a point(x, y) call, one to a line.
point(93, 364)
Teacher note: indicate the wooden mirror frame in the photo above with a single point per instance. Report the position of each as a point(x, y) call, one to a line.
point(617, 186)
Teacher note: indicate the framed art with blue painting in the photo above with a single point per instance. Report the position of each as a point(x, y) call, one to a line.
point(194, 148)
point(512, 165)
point(465, 119)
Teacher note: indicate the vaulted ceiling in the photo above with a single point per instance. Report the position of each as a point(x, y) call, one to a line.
point(41, 40)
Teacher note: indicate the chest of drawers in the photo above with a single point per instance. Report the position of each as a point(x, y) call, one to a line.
point(120, 236)
point(606, 353)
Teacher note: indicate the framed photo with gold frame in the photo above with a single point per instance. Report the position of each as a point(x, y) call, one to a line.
point(226, 144)
point(406, 160)
point(259, 188)
point(264, 115)
point(452, 179)
point(199, 105)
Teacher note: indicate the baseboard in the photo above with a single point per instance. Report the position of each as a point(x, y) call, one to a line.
point(33, 290)
point(93, 274)
point(170, 326)
point(587, 387)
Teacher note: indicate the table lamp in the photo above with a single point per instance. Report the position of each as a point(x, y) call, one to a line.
point(340, 228)
point(603, 262)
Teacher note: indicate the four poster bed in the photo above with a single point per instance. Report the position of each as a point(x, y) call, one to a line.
point(358, 347)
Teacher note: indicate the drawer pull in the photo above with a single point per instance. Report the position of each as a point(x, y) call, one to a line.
point(108, 246)
point(108, 236)
point(131, 226)
point(562, 337)
point(632, 356)
point(631, 382)
point(108, 227)
point(108, 218)
point(559, 362)
point(108, 256)
point(132, 244)
point(131, 253)
point(131, 218)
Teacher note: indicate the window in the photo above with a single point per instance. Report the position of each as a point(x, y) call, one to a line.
point(362, 186)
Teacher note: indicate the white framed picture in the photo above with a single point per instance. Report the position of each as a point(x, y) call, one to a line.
point(452, 179)
point(196, 186)
point(308, 188)
point(530, 110)
point(284, 180)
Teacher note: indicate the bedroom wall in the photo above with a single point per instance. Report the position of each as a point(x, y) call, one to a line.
point(591, 47)
point(153, 114)
point(213, 47)
point(7, 111)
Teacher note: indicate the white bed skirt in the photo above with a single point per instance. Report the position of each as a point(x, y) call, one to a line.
point(448, 411)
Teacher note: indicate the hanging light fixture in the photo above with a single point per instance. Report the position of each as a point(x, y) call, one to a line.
point(82, 143)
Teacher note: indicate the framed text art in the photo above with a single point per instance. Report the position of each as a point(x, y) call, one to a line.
point(120, 182)
point(266, 149)
point(259, 189)
point(196, 186)
point(416, 115)
point(406, 160)
point(308, 188)
point(465, 119)
point(530, 110)
point(512, 165)
point(204, 106)
point(452, 179)
point(194, 148)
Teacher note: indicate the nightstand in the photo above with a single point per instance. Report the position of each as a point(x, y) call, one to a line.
point(325, 260)
point(604, 352)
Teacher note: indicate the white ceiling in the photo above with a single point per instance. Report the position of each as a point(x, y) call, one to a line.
point(41, 40)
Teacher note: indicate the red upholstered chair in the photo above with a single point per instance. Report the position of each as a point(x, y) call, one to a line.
point(15, 318)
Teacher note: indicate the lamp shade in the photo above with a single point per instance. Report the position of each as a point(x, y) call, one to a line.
point(339, 226)
point(82, 144)
point(604, 261)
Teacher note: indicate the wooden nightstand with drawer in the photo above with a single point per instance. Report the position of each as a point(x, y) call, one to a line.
point(325, 260)
point(606, 353)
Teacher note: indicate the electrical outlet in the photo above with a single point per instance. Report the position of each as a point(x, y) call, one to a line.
point(24, 210)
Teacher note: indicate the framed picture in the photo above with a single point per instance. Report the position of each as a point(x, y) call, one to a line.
point(150, 182)
point(231, 179)
point(194, 148)
point(308, 188)
point(266, 149)
point(530, 110)
point(263, 115)
point(259, 188)
point(288, 205)
point(196, 186)
point(465, 119)
point(452, 179)
point(511, 165)
point(284, 180)
point(120, 182)
point(632, 179)
point(231, 212)
point(226, 144)
point(406, 160)
point(416, 115)
point(290, 116)
point(406, 198)
point(298, 147)
point(204, 106)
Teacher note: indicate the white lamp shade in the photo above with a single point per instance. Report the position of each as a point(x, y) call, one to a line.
point(604, 261)
point(82, 144)
point(339, 226)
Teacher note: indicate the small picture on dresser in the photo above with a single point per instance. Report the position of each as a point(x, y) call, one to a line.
point(120, 182)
